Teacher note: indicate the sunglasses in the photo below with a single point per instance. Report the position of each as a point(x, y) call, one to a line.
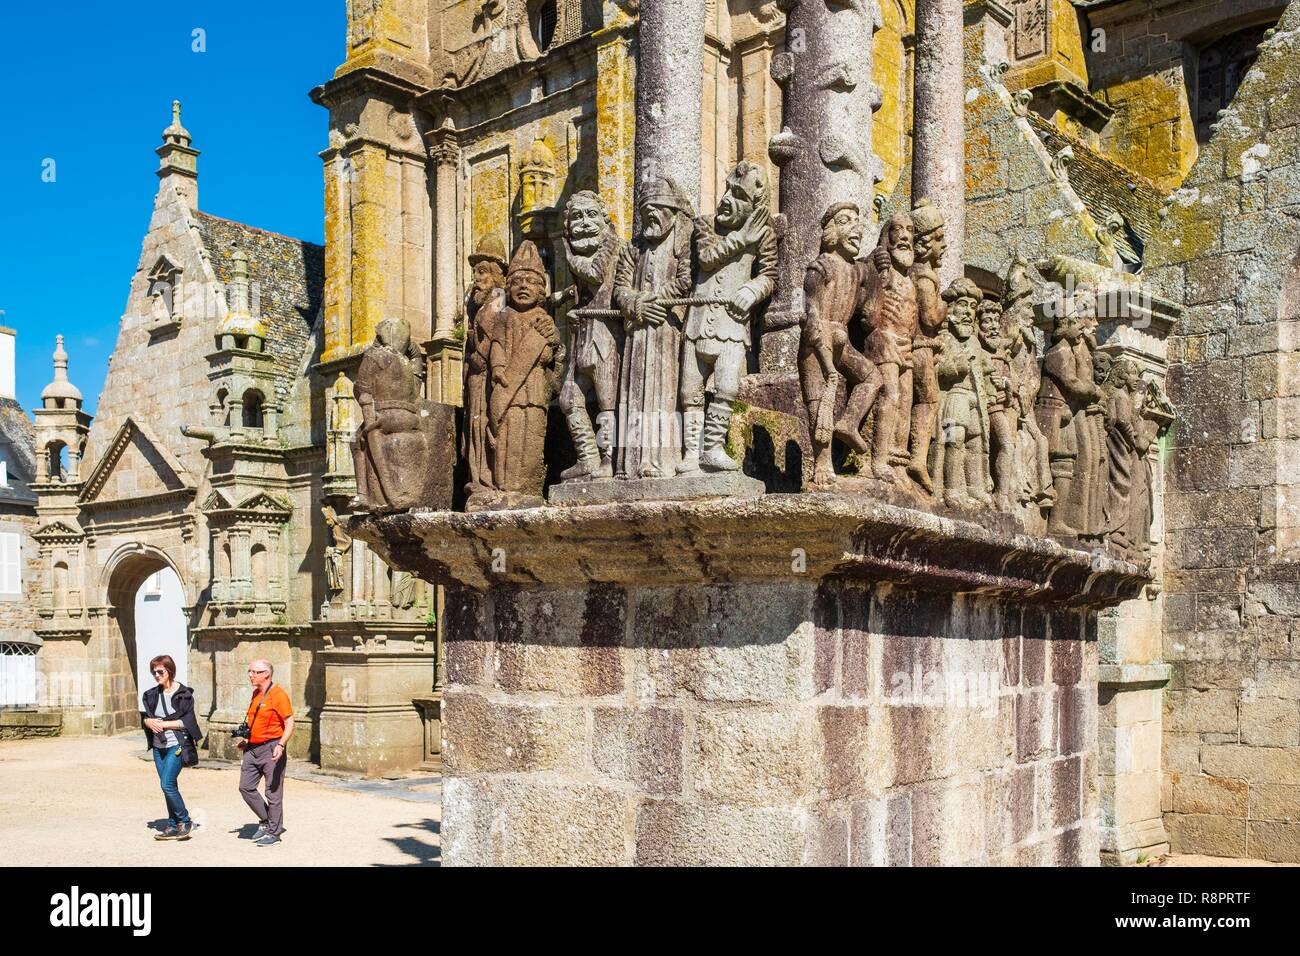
point(159, 671)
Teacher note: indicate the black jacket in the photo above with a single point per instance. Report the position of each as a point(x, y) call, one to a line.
point(182, 709)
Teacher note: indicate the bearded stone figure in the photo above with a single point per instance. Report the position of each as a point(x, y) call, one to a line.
point(1066, 391)
point(522, 364)
point(483, 302)
point(889, 316)
point(592, 249)
point(830, 288)
point(736, 254)
point(1122, 395)
point(391, 449)
point(657, 267)
point(917, 432)
point(965, 376)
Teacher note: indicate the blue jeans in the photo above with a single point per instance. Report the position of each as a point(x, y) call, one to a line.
point(168, 763)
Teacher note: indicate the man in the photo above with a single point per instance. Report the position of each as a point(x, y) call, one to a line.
point(523, 356)
point(1003, 418)
point(270, 725)
point(591, 249)
point(737, 260)
point(830, 288)
point(656, 267)
point(889, 314)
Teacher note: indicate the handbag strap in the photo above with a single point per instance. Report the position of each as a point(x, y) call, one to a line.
point(260, 701)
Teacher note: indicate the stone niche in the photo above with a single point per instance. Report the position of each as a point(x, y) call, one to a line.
point(797, 679)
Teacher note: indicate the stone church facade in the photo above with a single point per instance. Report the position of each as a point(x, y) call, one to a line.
point(1150, 144)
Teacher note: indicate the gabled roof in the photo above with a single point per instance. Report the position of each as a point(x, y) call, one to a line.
point(18, 436)
point(1105, 186)
point(130, 428)
point(289, 282)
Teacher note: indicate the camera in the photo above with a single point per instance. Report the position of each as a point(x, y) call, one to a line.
point(242, 731)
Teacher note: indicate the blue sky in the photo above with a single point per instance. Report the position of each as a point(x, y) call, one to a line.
point(89, 84)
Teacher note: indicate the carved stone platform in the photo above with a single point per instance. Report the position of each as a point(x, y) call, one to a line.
point(727, 484)
point(789, 679)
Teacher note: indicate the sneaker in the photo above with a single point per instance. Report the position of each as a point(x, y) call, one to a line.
point(269, 839)
point(183, 830)
point(260, 831)
point(169, 833)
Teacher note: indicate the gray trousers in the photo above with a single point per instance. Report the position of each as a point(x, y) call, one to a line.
point(257, 764)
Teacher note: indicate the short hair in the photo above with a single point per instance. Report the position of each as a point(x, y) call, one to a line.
point(270, 668)
point(166, 661)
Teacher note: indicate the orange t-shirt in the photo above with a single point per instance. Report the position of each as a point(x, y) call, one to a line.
point(269, 722)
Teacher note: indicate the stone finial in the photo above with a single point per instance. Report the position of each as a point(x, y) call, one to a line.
point(180, 161)
point(60, 389)
point(240, 322)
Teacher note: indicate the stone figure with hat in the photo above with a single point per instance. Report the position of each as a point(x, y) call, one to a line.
point(524, 356)
point(591, 249)
point(736, 256)
point(965, 375)
point(653, 273)
point(826, 354)
point(484, 300)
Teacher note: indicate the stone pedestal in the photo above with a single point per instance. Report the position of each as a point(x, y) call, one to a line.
point(371, 723)
point(727, 484)
point(794, 679)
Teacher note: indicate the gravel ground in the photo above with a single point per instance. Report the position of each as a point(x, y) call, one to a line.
point(91, 801)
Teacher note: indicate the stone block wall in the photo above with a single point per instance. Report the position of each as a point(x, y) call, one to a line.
point(1229, 249)
point(845, 724)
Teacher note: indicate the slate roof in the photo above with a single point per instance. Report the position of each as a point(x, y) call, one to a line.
point(289, 283)
point(1105, 186)
point(18, 435)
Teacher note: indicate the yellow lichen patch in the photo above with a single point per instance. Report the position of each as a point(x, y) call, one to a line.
point(1152, 130)
point(892, 73)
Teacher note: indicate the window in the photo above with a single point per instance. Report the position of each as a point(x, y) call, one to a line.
point(17, 675)
point(11, 563)
point(542, 18)
point(1221, 67)
point(4, 469)
point(153, 587)
point(252, 409)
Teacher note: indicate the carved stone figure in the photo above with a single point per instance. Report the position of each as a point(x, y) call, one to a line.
point(592, 249)
point(737, 271)
point(1066, 391)
point(1034, 474)
point(1121, 389)
point(930, 244)
point(390, 451)
point(889, 317)
point(830, 287)
point(1097, 437)
point(1137, 414)
point(523, 353)
point(340, 544)
point(657, 267)
point(484, 300)
point(965, 376)
point(1004, 418)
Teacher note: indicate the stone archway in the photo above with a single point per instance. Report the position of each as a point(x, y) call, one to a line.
point(123, 578)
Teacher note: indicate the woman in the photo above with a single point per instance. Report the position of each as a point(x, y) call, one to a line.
point(170, 729)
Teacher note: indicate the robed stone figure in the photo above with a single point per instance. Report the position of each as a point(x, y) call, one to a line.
point(656, 267)
point(523, 364)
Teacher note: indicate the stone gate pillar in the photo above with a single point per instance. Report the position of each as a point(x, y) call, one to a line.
point(938, 125)
point(796, 680)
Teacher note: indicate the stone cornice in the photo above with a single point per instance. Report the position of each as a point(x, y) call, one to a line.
point(773, 538)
